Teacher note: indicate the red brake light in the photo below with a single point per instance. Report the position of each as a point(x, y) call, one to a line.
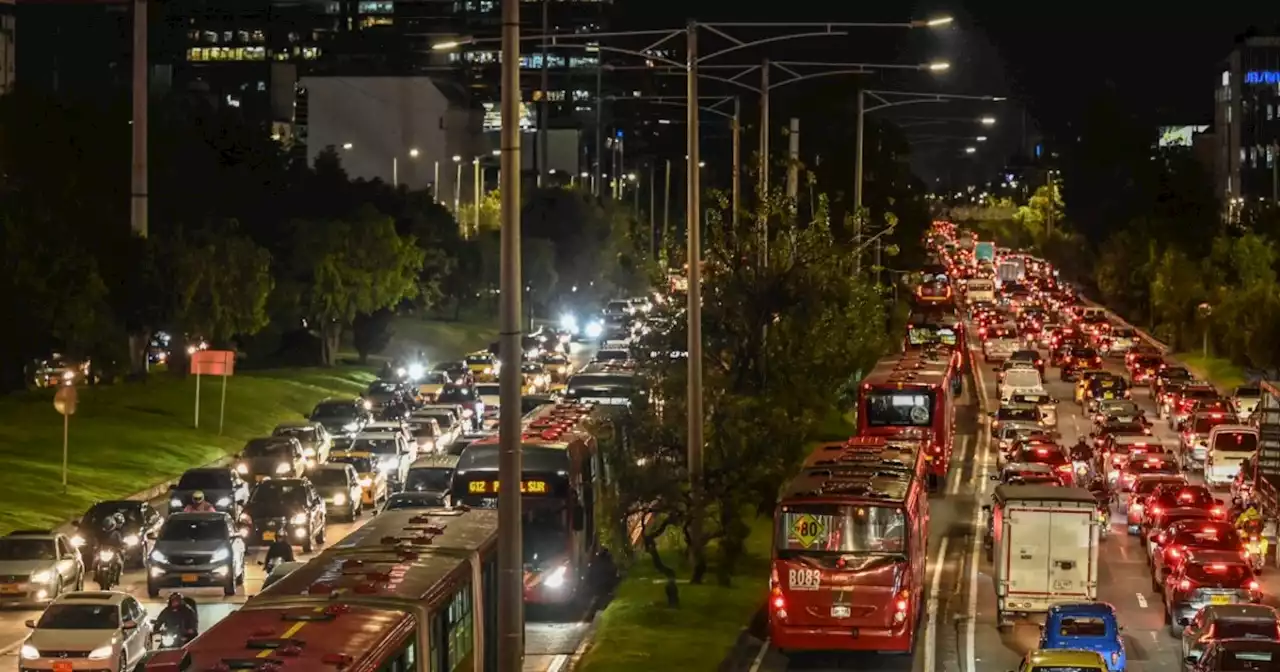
point(1184, 585)
point(1218, 567)
point(1253, 585)
point(1173, 552)
point(779, 602)
point(1156, 510)
point(1215, 416)
point(1042, 451)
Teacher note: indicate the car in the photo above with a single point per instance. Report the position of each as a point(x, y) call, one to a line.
point(1079, 360)
point(287, 509)
point(108, 630)
point(1246, 399)
point(1170, 517)
point(141, 523)
point(339, 485)
point(1177, 539)
point(391, 452)
point(342, 416)
point(483, 365)
point(383, 395)
point(1090, 626)
point(1124, 410)
point(1228, 621)
point(1143, 367)
point(1149, 464)
point(430, 385)
point(1104, 388)
point(1045, 453)
point(448, 419)
point(427, 433)
point(197, 549)
point(270, 457)
point(1084, 380)
point(1116, 451)
point(1232, 655)
point(490, 394)
point(374, 488)
point(432, 474)
point(1062, 660)
point(1204, 578)
point(1135, 505)
point(222, 486)
point(315, 440)
point(36, 566)
point(1168, 497)
point(400, 427)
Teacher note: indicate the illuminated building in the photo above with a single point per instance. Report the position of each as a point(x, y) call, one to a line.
point(1247, 123)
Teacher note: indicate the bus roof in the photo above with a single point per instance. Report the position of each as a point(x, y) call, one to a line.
point(910, 369)
point(399, 554)
point(887, 487)
point(866, 451)
point(547, 433)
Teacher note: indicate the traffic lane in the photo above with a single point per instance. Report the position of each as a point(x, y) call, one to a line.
point(1124, 579)
point(212, 605)
point(951, 511)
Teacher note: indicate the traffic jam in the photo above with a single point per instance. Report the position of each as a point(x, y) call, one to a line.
point(1125, 510)
point(420, 441)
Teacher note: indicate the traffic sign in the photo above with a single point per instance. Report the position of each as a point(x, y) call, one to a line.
point(64, 400)
point(807, 530)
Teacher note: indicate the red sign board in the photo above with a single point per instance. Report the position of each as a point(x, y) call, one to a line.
point(213, 363)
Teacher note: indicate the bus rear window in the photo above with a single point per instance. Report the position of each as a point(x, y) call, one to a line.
point(840, 529)
point(1236, 442)
point(899, 408)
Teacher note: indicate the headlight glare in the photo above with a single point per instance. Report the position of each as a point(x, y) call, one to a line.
point(223, 502)
point(101, 653)
point(339, 499)
point(220, 555)
point(157, 556)
point(284, 468)
point(77, 541)
point(132, 540)
point(41, 576)
point(556, 578)
point(299, 519)
point(242, 468)
point(29, 652)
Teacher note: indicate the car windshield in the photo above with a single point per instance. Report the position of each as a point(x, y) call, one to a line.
point(1252, 629)
point(1030, 399)
point(278, 493)
point(899, 408)
point(1256, 660)
point(336, 409)
point(1206, 423)
point(377, 446)
point(383, 388)
point(187, 529)
point(1007, 414)
point(205, 480)
point(429, 480)
point(277, 449)
point(1121, 408)
point(479, 359)
point(835, 530)
point(322, 477)
point(488, 390)
point(303, 434)
point(1124, 428)
point(1188, 496)
point(1082, 626)
point(1154, 467)
point(1149, 485)
point(12, 548)
point(454, 395)
point(1050, 455)
point(99, 512)
point(1083, 353)
point(362, 465)
point(1249, 392)
point(1205, 535)
point(545, 531)
point(1218, 573)
point(445, 420)
point(434, 378)
point(80, 617)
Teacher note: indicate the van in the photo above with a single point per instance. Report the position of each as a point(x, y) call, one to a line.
point(1229, 446)
point(432, 475)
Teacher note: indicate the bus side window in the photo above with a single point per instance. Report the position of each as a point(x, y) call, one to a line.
point(404, 661)
point(460, 629)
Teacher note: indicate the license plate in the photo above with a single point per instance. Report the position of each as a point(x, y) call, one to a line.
point(839, 612)
point(61, 666)
point(268, 536)
point(1220, 599)
point(9, 589)
point(190, 578)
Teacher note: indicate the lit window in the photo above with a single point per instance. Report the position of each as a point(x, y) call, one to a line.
point(1271, 155)
point(210, 37)
point(1226, 78)
point(581, 94)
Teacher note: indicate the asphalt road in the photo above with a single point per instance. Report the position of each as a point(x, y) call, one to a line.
point(549, 642)
point(958, 634)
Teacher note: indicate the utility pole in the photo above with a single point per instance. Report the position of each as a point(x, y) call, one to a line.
point(764, 160)
point(666, 217)
point(694, 226)
point(510, 542)
point(653, 232)
point(138, 199)
point(477, 194)
point(635, 198)
point(737, 161)
point(544, 108)
point(793, 163)
point(857, 182)
point(596, 184)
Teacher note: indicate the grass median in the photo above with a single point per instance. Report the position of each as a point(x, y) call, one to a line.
point(128, 437)
point(1217, 370)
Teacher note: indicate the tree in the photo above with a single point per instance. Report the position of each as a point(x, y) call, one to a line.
point(371, 333)
point(221, 281)
point(490, 214)
point(343, 268)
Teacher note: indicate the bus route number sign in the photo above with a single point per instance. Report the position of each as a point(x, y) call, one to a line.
point(807, 530)
point(526, 487)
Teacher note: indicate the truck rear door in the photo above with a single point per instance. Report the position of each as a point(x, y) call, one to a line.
point(1049, 552)
point(1071, 560)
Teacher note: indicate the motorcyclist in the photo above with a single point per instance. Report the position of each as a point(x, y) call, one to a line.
point(1248, 517)
point(198, 504)
point(279, 551)
point(180, 619)
point(109, 564)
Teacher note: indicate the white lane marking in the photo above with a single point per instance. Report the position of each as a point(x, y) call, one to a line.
point(558, 663)
point(954, 485)
point(1142, 600)
point(755, 664)
point(931, 627)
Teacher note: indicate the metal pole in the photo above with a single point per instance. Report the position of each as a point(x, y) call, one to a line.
point(395, 171)
point(197, 422)
point(737, 162)
point(66, 430)
point(478, 193)
point(596, 184)
point(544, 110)
point(138, 199)
point(793, 163)
point(652, 201)
point(222, 410)
point(693, 225)
point(435, 183)
point(857, 181)
point(457, 190)
point(666, 216)
point(764, 161)
point(510, 542)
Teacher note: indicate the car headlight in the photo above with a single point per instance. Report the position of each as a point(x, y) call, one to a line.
point(368, 405)
point(309, 453)
point(366, 482)
point(102, 652)
point(157, 556)
point(401, 372)
point(284, 468)
point(351, 426)
point(594, 330)
point(339, 499)
point(299, 519)
point(132, 540)
point(223, 502)
point(105, 555)
point(29, 652)
point(168, 639)
point(41, 576)
point(242, 468)
point(488, 370)
point(68, 375)
point(220, 555)
point(417, 371)
point(175, 503)
point(466, 413)
point(556, 578)
point(77, 541)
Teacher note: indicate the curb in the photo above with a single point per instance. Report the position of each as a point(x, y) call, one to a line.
point(153, 492)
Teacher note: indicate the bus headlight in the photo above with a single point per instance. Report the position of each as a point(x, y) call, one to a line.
point(556, 578)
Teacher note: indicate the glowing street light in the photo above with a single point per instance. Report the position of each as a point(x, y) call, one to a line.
point(457, 158)
point(449, 45)
point(970, 150)
point(987, 121)
point(981, 138)
point(413, 153)
point(939, 66)
point(347, 145)
point(939, 22)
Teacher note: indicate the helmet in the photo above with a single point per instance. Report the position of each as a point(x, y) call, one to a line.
point(175, 599)
point(110, 523)
point(197, 496)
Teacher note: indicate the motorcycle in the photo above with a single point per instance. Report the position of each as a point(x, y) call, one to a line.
point(163, 636)
point(108, 566)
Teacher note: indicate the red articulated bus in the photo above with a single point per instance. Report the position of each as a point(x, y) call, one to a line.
point(913, 392)
point(412, 591)
point(562, 472)
point(869, 455)
point(849, 559)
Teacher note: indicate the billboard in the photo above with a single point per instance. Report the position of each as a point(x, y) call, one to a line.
point(1179, 136)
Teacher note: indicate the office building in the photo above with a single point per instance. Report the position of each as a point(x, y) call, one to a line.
point(7, 27)
point(1247, 122)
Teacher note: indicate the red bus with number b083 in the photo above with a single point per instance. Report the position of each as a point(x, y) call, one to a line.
point(848, 563)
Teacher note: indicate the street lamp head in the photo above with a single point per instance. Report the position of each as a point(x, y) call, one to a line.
point(981, 138)
point(702, 164)
point(413, 153)
point(496, 152)
point(970, 150)
point(631, 177)
point(988, 121)
point(457, 158)
point(584, 174)
point(939, 21)
point(939, 66)
point(450, 45)
point(347, 145)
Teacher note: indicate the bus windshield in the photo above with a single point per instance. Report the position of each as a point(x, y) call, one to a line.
point(546, 533)
point(899, 408)
point(834, 530)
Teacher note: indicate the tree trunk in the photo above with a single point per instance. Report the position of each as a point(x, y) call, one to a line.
point(138, 342)
point(330, 337)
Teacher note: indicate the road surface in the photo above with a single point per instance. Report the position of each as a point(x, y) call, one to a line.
point(960, 635)
point(549, 643)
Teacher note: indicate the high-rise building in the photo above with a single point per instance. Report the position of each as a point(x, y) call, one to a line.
point(1247, 123)
point(7, 27)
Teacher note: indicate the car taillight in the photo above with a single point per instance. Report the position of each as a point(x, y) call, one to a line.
point(1217, 512)
point(1253, 585)
point(1065, 468)
point(1184, 585)
point(1174, 553)
point(1137, 508)
point(1155, 510)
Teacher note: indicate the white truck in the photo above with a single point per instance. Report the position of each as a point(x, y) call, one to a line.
point(1019, 381)
point(979, 290)
point(1229, 446)
point(1043, 543)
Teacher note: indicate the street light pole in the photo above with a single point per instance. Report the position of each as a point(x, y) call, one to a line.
point(764, 162)
point(510, 542)
point(477, 194)
point(666, 217)
point(395, 171)
point(859, 132)
point(545, 107)
point(737, 161)
point(138, 200)
point(694, 234)
point(652, 201)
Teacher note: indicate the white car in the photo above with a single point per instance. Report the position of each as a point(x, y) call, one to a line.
point(37, 566)
point(490, 394)
point(88, 630)
point(1019, 381)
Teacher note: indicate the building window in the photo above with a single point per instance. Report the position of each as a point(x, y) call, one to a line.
point(460, 627)
point(581, 94)
point(1226, 78)
point(1253, 157)
point(584, 61)
point(1271, 155)
point(1244, 155)
point(258, 37)
point(210, 37)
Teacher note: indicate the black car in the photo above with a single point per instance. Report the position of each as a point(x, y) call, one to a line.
point(1232, 655)
point(467, 397)
point(342, 416)
point(386, 394)
point(287, 509)
point(141, 524)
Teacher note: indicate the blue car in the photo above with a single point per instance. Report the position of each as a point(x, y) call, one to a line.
point(1090, 626)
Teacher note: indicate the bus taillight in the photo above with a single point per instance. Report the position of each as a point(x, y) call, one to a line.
point(900, 607)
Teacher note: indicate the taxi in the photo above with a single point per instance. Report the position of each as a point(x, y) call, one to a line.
point(483, 365)
point(534, 378)
point(1056, 660)
point(1105, 388)
point(1084, 382)
point(557, 366)
point(374, 488)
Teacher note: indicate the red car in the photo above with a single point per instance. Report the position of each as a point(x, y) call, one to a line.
point(1175, 541)
point(1168, 497)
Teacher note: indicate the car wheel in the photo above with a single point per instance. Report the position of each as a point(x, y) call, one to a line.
point(308, 545)
point(152, 591)
point(229, 589)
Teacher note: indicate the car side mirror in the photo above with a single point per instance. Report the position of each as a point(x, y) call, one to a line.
point(129, 625)
point(30, 623)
